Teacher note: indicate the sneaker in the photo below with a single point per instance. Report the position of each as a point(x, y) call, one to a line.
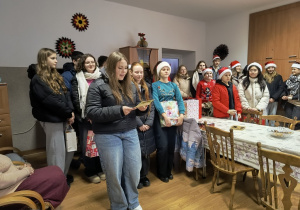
point(102, 176)
point(94, 179)
point(138, 208)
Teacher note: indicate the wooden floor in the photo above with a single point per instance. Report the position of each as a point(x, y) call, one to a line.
point(183, 192)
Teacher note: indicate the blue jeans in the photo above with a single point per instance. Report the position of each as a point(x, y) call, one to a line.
point(120, 156)
point(271, 110)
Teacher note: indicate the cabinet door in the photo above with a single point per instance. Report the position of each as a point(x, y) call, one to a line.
point(284, 68)
point(261, 32)
point(5, 136)
point(287, 33)
point(4, 107)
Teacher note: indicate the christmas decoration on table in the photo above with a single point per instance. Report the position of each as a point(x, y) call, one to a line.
point(142, 42)
point(80, 22)
point(221, 51)
point(65, 47)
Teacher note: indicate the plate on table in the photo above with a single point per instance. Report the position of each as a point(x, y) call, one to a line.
point(237, 127)
point(280, 132)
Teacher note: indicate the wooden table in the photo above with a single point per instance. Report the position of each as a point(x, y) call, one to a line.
point(245, 141)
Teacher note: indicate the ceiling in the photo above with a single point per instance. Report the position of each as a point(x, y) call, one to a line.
point(201, 10)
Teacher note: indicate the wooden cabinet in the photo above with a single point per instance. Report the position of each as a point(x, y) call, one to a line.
point(274, 35)
point(5, 129)
point(147, 56)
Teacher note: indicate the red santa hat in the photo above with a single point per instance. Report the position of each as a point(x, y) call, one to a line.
point(216, 57)
point(161, 65)
point(223, 71)
point(206, 71)
point(254, 64)
point(270, 64)
point(296, 65)
point(234, 64)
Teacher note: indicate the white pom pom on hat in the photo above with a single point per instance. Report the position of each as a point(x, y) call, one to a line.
point(223, 71)
point(254, 64)
point(161, 65)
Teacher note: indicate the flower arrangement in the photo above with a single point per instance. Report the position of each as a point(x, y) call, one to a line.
point(142, 36)
point(142, 42)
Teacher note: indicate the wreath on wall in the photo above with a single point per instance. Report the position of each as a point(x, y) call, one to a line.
point(80, 22)
point(65, 47)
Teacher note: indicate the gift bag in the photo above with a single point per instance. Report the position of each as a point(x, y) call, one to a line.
point(91, 148)
point(171, 110)
point(193, 109)
point(71, 139)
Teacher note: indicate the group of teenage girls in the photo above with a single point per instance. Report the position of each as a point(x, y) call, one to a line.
point(224, 92)
point(105, 99)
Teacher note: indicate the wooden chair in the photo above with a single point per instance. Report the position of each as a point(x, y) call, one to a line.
point(29, 198)
point(252, 116)
point(221, 146)
point(281, 121)
point(278, 195)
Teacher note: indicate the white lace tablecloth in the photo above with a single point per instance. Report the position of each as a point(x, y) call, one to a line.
point(245, 142)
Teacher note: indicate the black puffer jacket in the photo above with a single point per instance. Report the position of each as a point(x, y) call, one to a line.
point(106, 115)
point(147, 141)
point(48, 106)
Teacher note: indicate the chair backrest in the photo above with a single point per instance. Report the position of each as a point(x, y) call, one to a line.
point(281, 121)
point(286, 182)
point(252, 116)
point(221, 147)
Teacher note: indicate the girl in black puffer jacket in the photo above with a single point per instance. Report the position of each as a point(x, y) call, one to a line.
point(52, 106)
point(144, 123)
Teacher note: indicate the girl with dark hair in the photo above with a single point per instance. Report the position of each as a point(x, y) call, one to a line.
point(291, 92)
point(144, 123)
point(87, 72)
point(182, 80)
point(110, 105)
point(52, 106)
point(197, 77)
point(253, 90)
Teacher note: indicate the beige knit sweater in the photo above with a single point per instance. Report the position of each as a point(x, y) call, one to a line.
point(10, 176)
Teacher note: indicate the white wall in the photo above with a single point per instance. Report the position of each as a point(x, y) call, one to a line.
point(28, 25)
point(232, 31)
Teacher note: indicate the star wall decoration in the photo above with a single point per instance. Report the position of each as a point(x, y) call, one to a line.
point(65, 47)
point(80, 22)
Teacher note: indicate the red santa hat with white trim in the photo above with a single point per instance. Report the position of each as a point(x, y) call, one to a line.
point(255, 64)
point(270, 64)
point(223, 71)
point(216, 57)
point(207, 70)
point(234, 64)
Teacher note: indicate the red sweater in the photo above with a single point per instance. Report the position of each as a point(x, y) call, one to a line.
point(204, 90)
point(220, 101)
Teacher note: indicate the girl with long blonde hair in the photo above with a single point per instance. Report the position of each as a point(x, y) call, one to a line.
point(52, 106)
